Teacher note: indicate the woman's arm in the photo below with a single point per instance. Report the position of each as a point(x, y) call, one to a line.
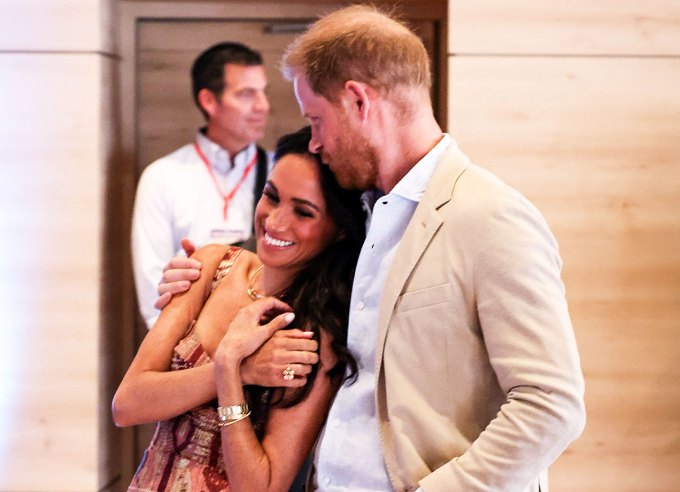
point(150, 391)
point(290, 432)
point(262, 368)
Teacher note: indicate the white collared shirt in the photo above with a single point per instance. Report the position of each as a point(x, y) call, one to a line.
point(349, 456)
point(177, 197)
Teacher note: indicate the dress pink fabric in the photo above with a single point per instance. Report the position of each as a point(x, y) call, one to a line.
point(185, 454)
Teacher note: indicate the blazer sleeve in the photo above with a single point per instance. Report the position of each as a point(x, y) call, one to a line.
point(523, 314)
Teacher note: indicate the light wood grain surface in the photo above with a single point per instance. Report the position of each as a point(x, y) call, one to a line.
point(50, 197)
point(583, 27)
point(594, 142)
point(57, 26)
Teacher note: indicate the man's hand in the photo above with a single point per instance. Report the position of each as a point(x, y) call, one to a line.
point(178, 275)
point(285, 348)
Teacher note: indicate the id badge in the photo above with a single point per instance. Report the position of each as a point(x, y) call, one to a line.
point(225, 235)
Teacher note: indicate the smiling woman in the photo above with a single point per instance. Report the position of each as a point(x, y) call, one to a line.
point(291, 221)
point(309, 232)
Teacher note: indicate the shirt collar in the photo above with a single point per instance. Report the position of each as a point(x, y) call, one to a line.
point(412, 186)
point(219, 158)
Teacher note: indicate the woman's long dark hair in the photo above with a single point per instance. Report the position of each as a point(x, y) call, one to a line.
point(320, 293)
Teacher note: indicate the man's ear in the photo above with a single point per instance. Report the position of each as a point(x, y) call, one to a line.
point(358, 94)
point(207, 100)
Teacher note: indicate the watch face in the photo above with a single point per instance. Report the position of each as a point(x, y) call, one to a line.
point(232, 413)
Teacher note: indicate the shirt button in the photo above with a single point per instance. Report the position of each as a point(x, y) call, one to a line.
point(361, 305)
point(336, 423)
point(326, 480)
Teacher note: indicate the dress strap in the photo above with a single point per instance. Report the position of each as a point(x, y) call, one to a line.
point(225, 265)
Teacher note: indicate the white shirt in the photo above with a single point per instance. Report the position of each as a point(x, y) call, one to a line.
point(348, 456)
point(176, 198)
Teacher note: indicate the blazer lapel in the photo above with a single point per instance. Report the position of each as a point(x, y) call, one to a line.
point(423, 225)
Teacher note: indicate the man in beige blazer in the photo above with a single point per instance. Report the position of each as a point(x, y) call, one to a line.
point(479, 384)
point(469, 376)
point(474, 377)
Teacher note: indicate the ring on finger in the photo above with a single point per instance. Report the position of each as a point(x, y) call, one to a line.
point(288, 373)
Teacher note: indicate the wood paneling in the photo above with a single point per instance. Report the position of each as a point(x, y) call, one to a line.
point(57, 138)
point(50, 198)
point(584, 27)
point(595, 144)
point(64, 25)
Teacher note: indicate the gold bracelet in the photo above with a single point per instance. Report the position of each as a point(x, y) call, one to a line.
point(224, 423)
point(232, 413)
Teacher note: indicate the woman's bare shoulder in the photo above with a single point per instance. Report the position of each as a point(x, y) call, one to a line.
point(246, 263)
point(240, 263)
point(215, 253)
point(249, 259)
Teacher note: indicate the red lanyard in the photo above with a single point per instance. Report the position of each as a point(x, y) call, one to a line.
point(225, 196)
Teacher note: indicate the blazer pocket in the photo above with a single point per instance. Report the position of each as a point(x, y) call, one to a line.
point(421, 298)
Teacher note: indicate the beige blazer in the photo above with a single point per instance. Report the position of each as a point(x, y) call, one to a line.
point(479, 385)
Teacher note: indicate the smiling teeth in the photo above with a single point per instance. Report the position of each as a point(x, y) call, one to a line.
point(276, 242)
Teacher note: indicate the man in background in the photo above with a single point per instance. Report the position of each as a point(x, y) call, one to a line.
point(207, 190)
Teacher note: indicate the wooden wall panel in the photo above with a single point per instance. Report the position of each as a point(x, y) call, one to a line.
point(50, 199)
point(594, 142)
point(584, 27)
point(57, 135)
point(65, 25)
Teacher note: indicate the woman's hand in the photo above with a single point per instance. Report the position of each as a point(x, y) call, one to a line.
point(247, 333)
